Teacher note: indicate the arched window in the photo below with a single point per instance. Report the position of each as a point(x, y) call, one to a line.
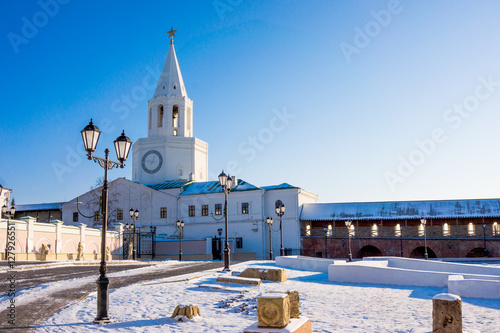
point(397, 230)
point(160, 115)
point(374, 230)
point(179, 172)
point(470, 229)
point(175, 116)
point(446, 229)
point(495, 228)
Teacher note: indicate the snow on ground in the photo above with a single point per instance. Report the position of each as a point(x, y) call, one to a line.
point(332, 307)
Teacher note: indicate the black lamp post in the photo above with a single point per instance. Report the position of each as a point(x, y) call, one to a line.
point(270, 221)
point(401, 237)
point(424, 224)
point(226, 182)
point(348, 225)
point(327, 231)
point(9, 215)
point(133, 215)
point(180, 225)
point(90, 135)
point(153, 241)
point(484, 237)
point(280, 211)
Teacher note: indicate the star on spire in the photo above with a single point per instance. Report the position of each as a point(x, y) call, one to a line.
point(171, 34)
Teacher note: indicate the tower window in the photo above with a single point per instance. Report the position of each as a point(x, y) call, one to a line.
point(175, 86)
point(150, 115)
point(179, 172)
point(188, 121)
point(160, 116)
point(175, 116)
point(163, 87)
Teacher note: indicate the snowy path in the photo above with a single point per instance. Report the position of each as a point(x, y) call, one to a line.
point(332, 307)
point(35, 305)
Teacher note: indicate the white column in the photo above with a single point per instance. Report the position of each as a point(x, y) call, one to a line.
point(31, 232)
point(59, 225)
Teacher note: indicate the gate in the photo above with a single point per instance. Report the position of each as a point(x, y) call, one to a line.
point(217, 248)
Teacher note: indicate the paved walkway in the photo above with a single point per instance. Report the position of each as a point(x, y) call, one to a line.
point(32, 314)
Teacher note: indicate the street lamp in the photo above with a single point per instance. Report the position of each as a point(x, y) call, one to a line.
point(226, 182)
point(280, 211)
point(401, 237)
point(90, 136)
point(153, 242)
point(133, 215)
point(484, 237)
point(326, 240)
point(270, 221)
point(424, 223)
point(9, 216)
point(180, 225)
point(348, 225)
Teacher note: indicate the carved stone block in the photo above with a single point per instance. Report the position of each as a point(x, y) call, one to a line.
point(446, 313)
point(293, 295)
point(273, 310)
point(269, 274)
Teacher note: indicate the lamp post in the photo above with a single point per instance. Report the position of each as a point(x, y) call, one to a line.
point(9, 215)
point(280, 211)
point(424, 223)
point(219, 244)
point(133, 215)
point(484, 237)
point(226, 182)
point(348, 225)
point(153, 242)
point(401, 237)
point(90, 136)
point(326, 241)
point(180, 225)
point(270, 221)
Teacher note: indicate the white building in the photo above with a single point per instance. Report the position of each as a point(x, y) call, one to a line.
point(169, 169)
point(4, 196)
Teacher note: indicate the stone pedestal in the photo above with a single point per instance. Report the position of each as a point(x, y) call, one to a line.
point(446, 313)
point(293, 296)
point(184, 312)
point(273, 310)
point(296, 325)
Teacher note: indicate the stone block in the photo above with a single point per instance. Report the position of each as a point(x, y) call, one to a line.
point(273, 310)
point(185, 312)
point(446, 313)
point(268, 274)
point(294, 298)
point(239, 280)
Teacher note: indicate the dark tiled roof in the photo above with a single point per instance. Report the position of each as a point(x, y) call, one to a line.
point(214, 187)
point(169, 184)
point(39, 207)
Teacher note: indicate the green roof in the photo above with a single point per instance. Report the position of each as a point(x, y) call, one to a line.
point(170, 184)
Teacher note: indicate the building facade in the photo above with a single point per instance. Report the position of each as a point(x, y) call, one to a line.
point(453, 228)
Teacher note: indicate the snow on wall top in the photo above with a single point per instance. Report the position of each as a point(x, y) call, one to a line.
point(401, 210)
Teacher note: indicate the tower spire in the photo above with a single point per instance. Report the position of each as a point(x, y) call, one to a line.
point(170, 82)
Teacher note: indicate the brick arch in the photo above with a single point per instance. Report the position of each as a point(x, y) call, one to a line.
point(38, 247)
point(419, 252)
point(369, 251)
point(478, 252)
point(70, 246)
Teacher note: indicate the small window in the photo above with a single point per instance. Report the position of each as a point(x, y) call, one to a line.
point(446, 229)
point(163, 212)
point(160, 116)
point(204, 210)
point(218, 209)
point(374, 230)
point(244, 208)
point(75, 216)
point(175, 86)
point(495, 229)
point(239, 242)
point(175, 132)
point(179, 172)
point(119, 214)
point(97, 216)
point(191, 210)
point(397, 230)
point(175, 116)
point(164, 87)
point(471, 229)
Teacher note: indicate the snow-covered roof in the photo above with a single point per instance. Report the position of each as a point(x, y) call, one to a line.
point(40, 207)
point(169, 184)
point(214, 187)
point(401, 210)
point(283, 186)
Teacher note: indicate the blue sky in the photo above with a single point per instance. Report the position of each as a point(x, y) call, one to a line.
point(352, 100)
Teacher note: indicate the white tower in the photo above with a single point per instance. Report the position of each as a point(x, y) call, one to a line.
point(170, 151)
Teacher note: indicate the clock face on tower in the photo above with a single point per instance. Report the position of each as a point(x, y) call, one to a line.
point(152, 161)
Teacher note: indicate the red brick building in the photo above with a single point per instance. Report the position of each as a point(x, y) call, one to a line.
point(453, 228)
